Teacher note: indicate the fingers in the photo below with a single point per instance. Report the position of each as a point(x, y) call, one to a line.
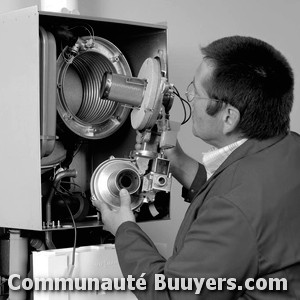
point(139, 140)
point(100, 205)
point(125, 202)
point(125, 199)
point(139, 136)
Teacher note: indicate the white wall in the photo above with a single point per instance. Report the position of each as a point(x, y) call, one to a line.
point(197, 22)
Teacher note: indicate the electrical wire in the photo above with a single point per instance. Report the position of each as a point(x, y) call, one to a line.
point(3, 282)
point(69, 59)
point(64, 191)
point(91, 31)
point(2, 287)
point(75, 232)
point(184, 102)
point(72, 183)
point(50, 166)
point(61, 194)
point(78, 149)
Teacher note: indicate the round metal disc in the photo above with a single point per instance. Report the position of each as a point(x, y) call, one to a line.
point(70, 90)
point(146, 116)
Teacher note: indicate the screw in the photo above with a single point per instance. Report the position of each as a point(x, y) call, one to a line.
point(115, 59)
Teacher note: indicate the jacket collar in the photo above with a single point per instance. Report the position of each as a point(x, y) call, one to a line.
point(251, 146)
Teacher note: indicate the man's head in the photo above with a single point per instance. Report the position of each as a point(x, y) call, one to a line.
point(249, 81)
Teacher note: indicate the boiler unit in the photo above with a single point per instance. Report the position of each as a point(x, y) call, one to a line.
point(74, 91)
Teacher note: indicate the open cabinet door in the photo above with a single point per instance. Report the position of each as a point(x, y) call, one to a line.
point(20, 120)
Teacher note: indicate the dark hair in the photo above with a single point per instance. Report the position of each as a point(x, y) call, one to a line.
point(254, 77)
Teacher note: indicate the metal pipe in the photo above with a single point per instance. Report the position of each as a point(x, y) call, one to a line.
point(123, 89)
point(48, 240)
point(37, 244)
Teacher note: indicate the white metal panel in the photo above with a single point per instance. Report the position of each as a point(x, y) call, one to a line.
point(20, 198)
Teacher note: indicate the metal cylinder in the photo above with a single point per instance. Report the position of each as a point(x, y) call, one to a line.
point(125, 179)
point(123, 89)
point(113, 175)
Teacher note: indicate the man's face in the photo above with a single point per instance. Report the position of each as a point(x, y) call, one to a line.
point(206, 127)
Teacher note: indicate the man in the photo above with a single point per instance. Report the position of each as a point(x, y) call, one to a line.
point(243, 222)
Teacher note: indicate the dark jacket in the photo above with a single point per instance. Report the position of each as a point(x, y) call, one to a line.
point(244, 222)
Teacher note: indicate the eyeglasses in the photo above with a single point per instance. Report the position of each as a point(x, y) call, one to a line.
point(190, 94)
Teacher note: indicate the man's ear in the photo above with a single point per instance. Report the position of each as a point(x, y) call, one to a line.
point(231, 119)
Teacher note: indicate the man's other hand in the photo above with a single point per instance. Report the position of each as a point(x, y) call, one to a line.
point(113, 218)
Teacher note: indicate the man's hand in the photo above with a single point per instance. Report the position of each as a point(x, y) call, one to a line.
point(182, 167)
point(112, 219)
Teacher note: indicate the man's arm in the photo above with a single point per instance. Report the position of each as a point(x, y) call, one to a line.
point(183, 167)
point(219, 244)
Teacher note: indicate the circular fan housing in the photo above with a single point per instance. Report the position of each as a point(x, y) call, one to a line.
point(113, 175)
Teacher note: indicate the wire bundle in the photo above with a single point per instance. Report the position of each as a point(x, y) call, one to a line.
point(184, 102)
point(62, 194)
